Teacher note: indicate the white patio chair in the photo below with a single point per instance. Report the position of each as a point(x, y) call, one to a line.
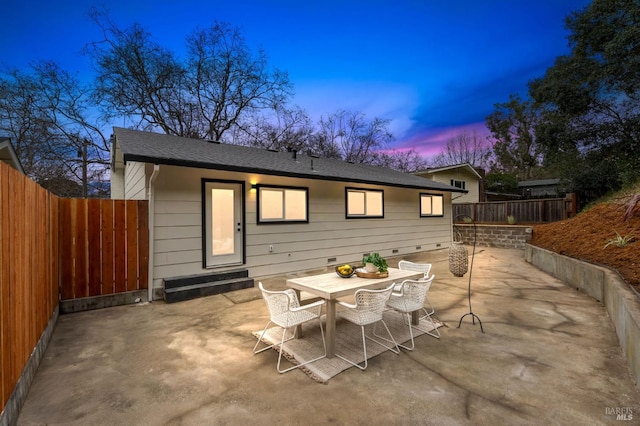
point(421, 267)
point(286, 312)
point(410, 299)
point(368, 309)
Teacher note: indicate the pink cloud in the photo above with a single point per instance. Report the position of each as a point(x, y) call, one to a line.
point(431, 142)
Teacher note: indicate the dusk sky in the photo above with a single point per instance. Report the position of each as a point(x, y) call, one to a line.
point(435, 68)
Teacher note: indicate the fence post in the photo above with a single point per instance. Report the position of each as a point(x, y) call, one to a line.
point(570, 205)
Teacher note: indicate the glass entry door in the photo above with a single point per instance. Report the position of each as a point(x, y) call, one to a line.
point(224, 243)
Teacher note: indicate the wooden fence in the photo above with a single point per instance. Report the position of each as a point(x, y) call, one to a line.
point(55, 249)
point(104, 247)
point(524, 211)
point(28, 270)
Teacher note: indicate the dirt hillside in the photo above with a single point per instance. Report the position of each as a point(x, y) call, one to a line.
point(586, 235)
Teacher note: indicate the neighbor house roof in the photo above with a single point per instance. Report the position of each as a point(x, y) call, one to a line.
point(148, 147)
point(8, 154)
point(540, 182)
point(465, 166)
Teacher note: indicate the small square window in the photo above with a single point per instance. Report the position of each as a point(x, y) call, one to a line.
point(459, 184)
point(364, 203)
point(431, 205)
point(282, 204)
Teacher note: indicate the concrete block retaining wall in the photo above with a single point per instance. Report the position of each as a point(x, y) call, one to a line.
point(11, 411)
point(604, 285)
point(99, 302)
point(501, 236)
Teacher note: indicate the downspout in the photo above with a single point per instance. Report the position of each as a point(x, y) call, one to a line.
point(151, 197)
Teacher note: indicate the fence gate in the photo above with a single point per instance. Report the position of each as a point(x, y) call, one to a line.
point(104, 246)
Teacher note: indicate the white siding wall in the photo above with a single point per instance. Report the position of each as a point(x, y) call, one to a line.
point(117, 174)
point(135, 181)
point(330, 235)
point(473, 186)
point(117, 184)
point(178, 226)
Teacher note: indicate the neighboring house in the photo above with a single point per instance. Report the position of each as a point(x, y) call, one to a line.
point(462, 176)
point(543, 188)
point(216, 207)
point(8, 154)
point(500, 196)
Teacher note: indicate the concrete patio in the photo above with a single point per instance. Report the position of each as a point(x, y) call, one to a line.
point(549, 355)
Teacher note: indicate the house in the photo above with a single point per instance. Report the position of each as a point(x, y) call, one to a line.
point(541, 188)
point(217, 208)
point(500, 196)
point(8, 154)
point(462, 176)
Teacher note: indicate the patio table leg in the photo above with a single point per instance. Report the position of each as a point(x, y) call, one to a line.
point(331, 328)
point(297, 331)
point(415, 317)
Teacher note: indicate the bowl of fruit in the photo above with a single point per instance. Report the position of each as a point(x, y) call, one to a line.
point(345, 271)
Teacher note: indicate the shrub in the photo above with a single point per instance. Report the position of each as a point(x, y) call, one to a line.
point(619, 240)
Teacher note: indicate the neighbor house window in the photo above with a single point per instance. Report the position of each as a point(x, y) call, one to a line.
point(459, 184)
point(431, 205)
point(364, 203)
point(277, 204)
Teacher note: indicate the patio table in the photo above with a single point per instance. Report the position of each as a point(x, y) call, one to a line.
point(331, 287)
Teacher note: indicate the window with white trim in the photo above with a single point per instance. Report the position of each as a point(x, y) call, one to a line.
point(431, 205)
point(459, 184)
point(278, 204)
point(364, 203)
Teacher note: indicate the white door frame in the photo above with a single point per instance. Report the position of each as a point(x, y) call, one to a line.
point(234, 252)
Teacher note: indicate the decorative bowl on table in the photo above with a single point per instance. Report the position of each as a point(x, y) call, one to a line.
point(362, 273)
point(345, 271)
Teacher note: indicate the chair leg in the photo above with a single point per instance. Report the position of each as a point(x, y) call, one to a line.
point(306, 362)
point(431, 309)
point(400, 345)
point(260, 340)
point(392, 340)
point(364, 344)
point(413, 345)
point(364, 347)
point(434, 332)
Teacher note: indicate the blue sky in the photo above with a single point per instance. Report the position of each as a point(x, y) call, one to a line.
point(435, 68)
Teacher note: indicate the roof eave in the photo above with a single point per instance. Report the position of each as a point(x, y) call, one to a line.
point(7, 150)
point(318, 176)
point(456, 166)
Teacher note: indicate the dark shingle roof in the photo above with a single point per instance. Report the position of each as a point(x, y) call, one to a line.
point(539, 182)
point(158, 148)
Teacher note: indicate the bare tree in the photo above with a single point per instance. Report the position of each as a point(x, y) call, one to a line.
point(228, 81)
point(47, 113)
point(140, 80)
point(464, 148)
point(219, 85)
point(348, 135)
point(286, 129)
point(21, 118)
point(404, 161)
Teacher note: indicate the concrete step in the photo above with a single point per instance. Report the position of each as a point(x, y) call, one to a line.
point(179, 289)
